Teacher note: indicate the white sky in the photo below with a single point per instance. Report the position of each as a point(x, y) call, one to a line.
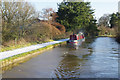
point(101, 6)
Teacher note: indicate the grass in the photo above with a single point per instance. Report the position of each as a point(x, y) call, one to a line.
point(107, 35)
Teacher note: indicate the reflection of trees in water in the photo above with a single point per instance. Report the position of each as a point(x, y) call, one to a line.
point(88, 42)
point(69, 67)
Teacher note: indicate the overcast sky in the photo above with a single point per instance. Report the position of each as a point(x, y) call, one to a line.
point(101, 6)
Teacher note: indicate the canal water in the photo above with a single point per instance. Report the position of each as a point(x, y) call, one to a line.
point(95, 58)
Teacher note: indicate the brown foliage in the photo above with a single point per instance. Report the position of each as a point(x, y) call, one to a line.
point(109, 31)
point(46, 13)
point(52, 29)
point(59, 26)
point(42, 31)
point(13, 42)
point(54, 16)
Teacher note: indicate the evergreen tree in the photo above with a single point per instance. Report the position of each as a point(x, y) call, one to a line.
point(76, 15)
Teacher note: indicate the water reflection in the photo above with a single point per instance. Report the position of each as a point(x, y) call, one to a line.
point(93, 59)
point(68, 67)
point(72, 63)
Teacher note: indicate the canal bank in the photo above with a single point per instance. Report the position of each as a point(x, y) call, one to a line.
point(20, 58)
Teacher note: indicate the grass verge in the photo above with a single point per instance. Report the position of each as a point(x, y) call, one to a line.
point(107, 36)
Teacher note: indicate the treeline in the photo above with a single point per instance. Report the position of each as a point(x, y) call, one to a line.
point(110, 24)
point(115, 23)
point(21, 23)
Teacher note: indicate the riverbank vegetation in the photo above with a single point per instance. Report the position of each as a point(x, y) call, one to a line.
point(22, 25)
point(109, 25)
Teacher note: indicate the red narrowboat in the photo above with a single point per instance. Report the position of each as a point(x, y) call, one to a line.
point(76, 39)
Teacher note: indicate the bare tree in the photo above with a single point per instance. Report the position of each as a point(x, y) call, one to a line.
point(105, 20)
point(46, 14)
point(16, 16)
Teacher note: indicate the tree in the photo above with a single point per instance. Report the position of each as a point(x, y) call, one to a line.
point(104, 20)
point(91, 29)
point(50, 16)
point(115, 23)
point(75, 15)
point(15, 18)
point(54, 16)
point(46, 14)
point(115, 19)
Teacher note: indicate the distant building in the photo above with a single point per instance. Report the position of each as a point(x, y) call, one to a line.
point(119, 6)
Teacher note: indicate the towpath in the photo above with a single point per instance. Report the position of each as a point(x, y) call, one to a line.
point(11, 53)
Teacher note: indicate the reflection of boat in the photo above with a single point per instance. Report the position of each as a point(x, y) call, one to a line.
point(76, 39)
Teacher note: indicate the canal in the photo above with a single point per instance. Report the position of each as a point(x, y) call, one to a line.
point(95, 58)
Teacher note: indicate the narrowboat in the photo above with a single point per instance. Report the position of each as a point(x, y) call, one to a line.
point(76, 39)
